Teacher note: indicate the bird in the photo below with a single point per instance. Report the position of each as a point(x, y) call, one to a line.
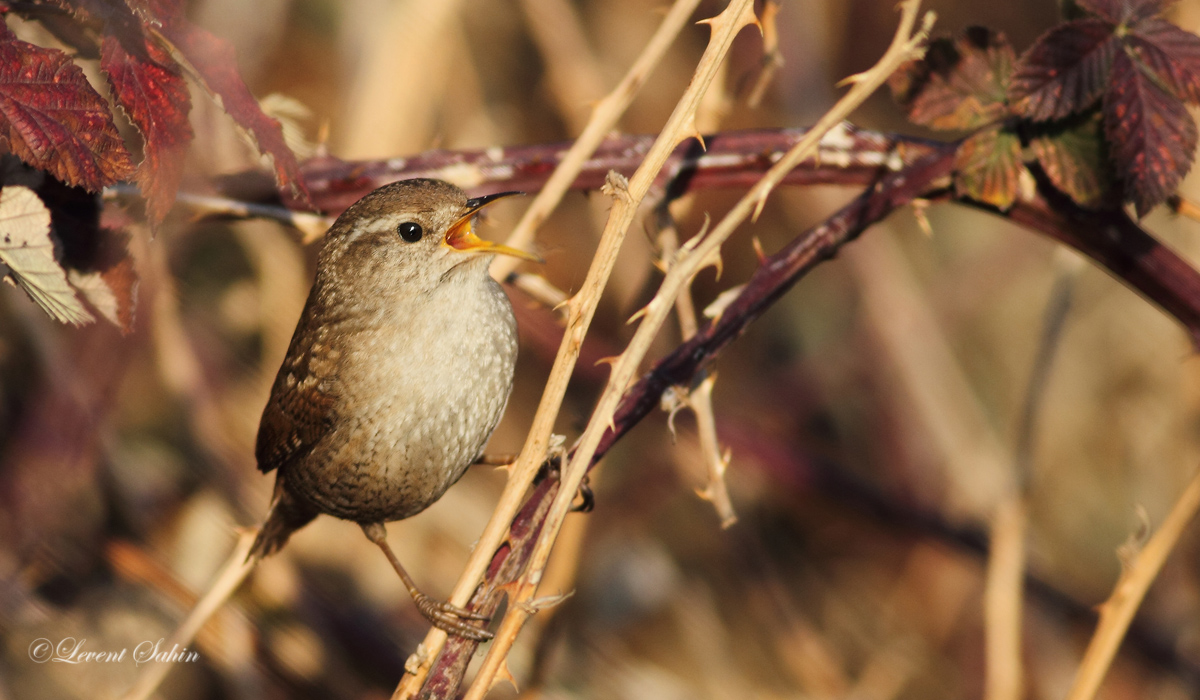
point(398, 372)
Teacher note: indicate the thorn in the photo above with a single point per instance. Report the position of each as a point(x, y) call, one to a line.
point(851, 79)
point(503, 674)
point(610, 361)
point(758, 207)
point(714, 259)
point(673, 400)
point(694, 242)
point(322, 144)
point(758, 250)
point(537, 605)
point(638, 314)
point(722, 302)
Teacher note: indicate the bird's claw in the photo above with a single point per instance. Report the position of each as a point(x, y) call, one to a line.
point(452, 619)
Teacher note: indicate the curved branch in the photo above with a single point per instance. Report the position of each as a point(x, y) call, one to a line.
point(733, 159)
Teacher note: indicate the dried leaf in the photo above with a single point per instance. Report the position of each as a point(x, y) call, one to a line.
point(99, 266)
point(1151, 136)
point(155, 96)
point(1065, 71)
point(1073, 158)
point(27, 250)
point(989, 167)
point(52, 119)
point(1172, 54)
point(959, 84)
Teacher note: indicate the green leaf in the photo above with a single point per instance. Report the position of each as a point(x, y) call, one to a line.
point(26, 248)
point(960, 84)
point(1073, 158)
point(988, 167)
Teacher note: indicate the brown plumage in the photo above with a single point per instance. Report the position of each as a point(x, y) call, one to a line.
point(398, 371)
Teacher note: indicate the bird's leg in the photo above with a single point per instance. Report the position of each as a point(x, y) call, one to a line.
point(444, 616)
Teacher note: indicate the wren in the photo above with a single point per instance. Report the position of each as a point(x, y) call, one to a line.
point(398, 372)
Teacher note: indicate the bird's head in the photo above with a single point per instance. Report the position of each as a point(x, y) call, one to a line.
point(412, 232)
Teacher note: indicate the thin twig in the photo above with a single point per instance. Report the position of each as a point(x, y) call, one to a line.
point(696, 255)
point(698, 399)
point(574, 75)
point(1003, 600)
point(772, 58)
point(311, 226)
point(1117, 612)
point(235, 570)
point(1005, 587)
point(712, 112)
point(603, 119)
point(926, 178)
point(581, 309)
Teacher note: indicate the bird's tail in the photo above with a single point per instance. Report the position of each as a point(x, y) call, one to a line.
point(287, 515)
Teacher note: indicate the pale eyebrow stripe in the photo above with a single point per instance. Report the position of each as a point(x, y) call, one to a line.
point(378, 223)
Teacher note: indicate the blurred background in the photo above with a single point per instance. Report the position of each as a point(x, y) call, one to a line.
point(873, 415)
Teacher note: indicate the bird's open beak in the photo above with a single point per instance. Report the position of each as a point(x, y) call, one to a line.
point(461, 238)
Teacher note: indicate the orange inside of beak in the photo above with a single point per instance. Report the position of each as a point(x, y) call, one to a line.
point(462, 238)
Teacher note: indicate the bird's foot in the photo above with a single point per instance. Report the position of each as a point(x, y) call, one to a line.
point(452, 619)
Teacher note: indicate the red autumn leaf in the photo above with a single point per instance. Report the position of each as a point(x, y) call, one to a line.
point(1151, 136)
point(155, 97)
point(959, 84)
point(988, 167)
point(118, 19)
point(1126, 11)
point(1065, 71)
point(215, 62)
point(52, 119)
point(1073, 158)
point(1172, 54)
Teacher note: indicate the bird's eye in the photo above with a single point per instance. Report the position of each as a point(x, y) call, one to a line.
point(410, 231)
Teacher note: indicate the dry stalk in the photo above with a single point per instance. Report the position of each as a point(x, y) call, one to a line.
point(1003, 600)
point(581, 308)
point(699, 399)
point(627, 196)
point(1005, 588)
point(713, 110)
point(696, 254)
point(1117, 612)
point(232, 574)
point(540, 289)
point(408, 58)
point(772, 58)
point(575, 77)
point(311, 226)
point(603, 119)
